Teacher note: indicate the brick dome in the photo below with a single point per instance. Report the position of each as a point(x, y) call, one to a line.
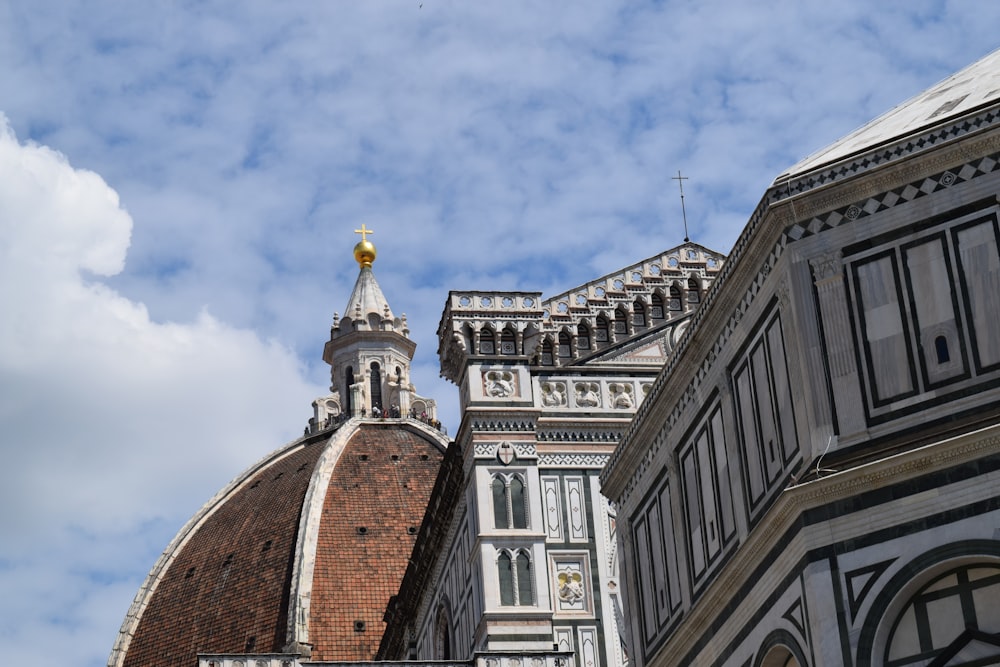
point(299, 554)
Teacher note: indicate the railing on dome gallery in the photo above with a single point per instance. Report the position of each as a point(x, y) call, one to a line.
point(332, 422)
point(486, 659)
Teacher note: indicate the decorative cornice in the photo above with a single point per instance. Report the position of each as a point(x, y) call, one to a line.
point(872, 159)
point(572, 460)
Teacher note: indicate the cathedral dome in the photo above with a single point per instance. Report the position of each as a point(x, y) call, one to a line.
point(299, 554)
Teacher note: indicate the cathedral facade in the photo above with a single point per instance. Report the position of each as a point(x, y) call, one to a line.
point(526, 557)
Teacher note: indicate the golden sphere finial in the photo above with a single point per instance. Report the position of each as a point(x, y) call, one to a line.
point(364, 251)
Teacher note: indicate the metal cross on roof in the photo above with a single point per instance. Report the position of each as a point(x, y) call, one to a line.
point(364, 230)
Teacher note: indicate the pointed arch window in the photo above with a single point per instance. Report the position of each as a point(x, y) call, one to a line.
point(499, 489)
point(582, 337)
point(510, 506)
point(508, 342)
point(694, 291)
point(547, 356)
point(515, 579)
point(621, 322)
point(638, 314)
point(376, 383)
point(675, 297)
point(505, 573)
point(656, 307)
point(565, 351)
point(601, 330)
point(442, 637)
point(487, 341)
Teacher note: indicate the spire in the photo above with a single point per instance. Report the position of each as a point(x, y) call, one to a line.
point(367, 297)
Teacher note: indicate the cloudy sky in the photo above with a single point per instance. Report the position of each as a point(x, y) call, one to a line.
point(179, 183)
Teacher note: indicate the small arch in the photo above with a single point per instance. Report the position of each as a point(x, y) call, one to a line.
point(508, 342)
point(376, 385)
point(674, 303)
point(582, 337)
point(602, 331)
point(656, 307)
point(565, 349)
point(780, 650)
point(547, 356)
point(525, 590)
point(505, 576)
point(941, 348)
point(487, 340)
point(693, 291)
point(499, 491)
point(518, 506)
point(621, 322)
point(442, 635)
point(638, 314)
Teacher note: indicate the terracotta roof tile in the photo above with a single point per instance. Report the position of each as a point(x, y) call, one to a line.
point(227, 589)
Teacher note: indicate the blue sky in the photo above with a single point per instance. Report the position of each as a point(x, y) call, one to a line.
point(179, 184)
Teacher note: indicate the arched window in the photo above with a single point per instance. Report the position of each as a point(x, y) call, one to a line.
point(694, 291)
point(941, 347)
point(565, 351)
point(582, 337)
point(376, 385)
point(510, 508)
point(601, 330)
point(621, 322)
point(946, 615)
point(349, 380)
point(638, 314)
point(442, 637)
point(508, 342)
point(656, 307)
point(547, 359)
point(487, 341)
point(505, 572)
point(675, 297)
point(522, 575)
point(499, 488)
point(518, 510)
point(515, 579)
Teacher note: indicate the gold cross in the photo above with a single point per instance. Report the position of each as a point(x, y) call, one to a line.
point(363, 231)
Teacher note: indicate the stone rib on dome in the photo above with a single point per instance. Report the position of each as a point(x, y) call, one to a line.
point(226, 583)
point(384, 497)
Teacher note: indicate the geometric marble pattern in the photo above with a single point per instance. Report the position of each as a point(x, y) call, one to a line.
point(860, 582)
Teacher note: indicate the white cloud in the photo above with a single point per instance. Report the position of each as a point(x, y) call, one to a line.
point(114, 425)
